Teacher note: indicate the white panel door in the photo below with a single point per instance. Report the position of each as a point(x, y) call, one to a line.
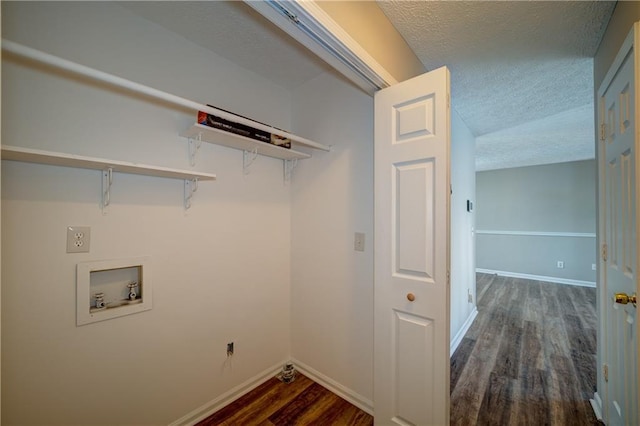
point(412, 194)
point(619, 204)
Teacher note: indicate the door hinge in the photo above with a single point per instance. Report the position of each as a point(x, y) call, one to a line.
point(605, 372)
point(604, 252)
point(448, 278)
point(603, 130)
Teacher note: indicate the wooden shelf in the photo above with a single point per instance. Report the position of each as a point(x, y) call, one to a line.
point(231, 140)
point(27, 155)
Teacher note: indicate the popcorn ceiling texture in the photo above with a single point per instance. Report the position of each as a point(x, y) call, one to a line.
point(521, 72)
point(566, 136)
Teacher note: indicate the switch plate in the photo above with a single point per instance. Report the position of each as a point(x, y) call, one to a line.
point(358, 241)
point(78, 239)
point(593, 266)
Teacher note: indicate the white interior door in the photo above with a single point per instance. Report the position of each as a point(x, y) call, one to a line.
point(412, 195)
point(619, 204)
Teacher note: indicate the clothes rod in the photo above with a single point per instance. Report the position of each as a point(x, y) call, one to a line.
point(76, 68)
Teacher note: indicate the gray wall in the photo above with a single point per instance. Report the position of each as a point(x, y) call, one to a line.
point(515, 205)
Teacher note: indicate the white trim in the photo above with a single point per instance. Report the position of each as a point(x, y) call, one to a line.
point(226, 398)
point(556, 280)
point(596, 404)
point(455, 342)
point(334, 35)
point(365, 404)
point(538, 234)
point(312, 27)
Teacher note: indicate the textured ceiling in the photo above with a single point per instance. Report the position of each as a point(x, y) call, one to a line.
point(521, 71)
point(566, 136)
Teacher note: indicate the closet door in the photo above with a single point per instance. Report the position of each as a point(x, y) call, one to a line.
point(619, 206)
point(412, 197)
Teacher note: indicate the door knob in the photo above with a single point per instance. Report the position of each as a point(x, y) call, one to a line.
point(624, 298)
point(411, 297)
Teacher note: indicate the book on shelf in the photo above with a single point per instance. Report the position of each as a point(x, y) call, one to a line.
point(242, 129)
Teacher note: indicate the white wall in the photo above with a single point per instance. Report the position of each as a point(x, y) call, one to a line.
point(221, 271)
point(267, 265)
point(332, 285)
point(463, 183)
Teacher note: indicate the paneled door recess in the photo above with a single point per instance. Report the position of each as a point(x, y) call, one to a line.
point(412, 163)
point(618, 149)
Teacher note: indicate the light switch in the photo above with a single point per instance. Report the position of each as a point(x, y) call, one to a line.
point(358, 241)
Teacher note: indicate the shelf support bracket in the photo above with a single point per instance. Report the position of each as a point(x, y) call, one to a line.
point(107, 181)
point(248, 158)
point(194, 146)
point(289, 166)
point(190, 187)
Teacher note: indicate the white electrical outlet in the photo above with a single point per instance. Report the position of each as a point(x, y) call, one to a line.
point(78, 239)
point(560, 264)
point(358, 241)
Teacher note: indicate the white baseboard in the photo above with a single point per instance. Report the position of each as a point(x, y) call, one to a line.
point(539, 278)
point(226, 398)
point(356, 399)
point(596, 404)
point(455, 342)
point(537, 233)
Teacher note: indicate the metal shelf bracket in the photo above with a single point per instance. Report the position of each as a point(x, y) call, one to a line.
point(190, 187)
point(107, 181)
point(248, 158)
point(194, 145)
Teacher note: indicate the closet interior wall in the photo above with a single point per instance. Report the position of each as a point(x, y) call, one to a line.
point(221, 269)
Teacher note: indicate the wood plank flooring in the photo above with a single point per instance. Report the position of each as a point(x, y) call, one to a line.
point(301, 402)
point(529, 358)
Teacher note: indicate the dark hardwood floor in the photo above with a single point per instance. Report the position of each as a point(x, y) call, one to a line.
point(529, 358)
point(301, 402)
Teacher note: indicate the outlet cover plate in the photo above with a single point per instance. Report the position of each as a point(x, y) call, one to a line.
point(78, 239)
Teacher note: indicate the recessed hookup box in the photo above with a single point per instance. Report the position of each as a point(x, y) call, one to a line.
point(107, 289)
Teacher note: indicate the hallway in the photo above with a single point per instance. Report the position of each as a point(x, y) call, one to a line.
point(530, 356)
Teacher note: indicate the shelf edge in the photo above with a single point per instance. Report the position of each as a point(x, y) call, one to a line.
point(263, 148)
point(29, 155)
